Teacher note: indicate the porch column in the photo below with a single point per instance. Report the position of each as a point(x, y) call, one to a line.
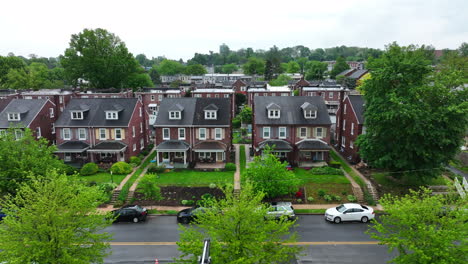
point(185, 161)
point(157, 157)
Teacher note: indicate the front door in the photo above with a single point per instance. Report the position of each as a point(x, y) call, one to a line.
point(219, 156)
point(165, 157)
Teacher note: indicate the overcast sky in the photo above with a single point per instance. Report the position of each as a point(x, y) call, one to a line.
point(178, 29)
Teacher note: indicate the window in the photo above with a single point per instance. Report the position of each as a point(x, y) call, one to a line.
point(216, 95)
point(111, 115)
point(330, 95)
point(61, 109)
point(202, 133)
point(181, 133)
point(344, 110)
point(282, 132)
point(160, 97)
point(303, 132)
point(343, 141)
point(77, 115)
point(51, 112)
point(208, 95)
point(134, 147)
point(210, 114)
point(351, 144)
point(310, 114)
point(226, 96)
point(319, 132)
point(133, 131)
point(61, 99)
point(67, 157)
point(81, 134)
point(344, 124)
point(66, 133)
point(118, 133)
point(166, 133)
point(141, 127)
point(284, 94)
point(255, 94)
point(266, 132)
point(38, 132)
point(197, 95)
point(142, 144)
point(352, 128)
point(174, 114)
point(28, 97)
point(102, 134)
point(141, 112)
point(53, 128)
point(152, 97)
point(13, 116)
point(218, 133)
point(273, 113)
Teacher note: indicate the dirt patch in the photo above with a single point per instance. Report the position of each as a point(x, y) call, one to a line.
point(173, 195)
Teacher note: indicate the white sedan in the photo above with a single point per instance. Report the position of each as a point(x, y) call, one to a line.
point(349, 212)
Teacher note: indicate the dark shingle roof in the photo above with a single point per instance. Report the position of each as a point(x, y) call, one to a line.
point(173, 145)
point(209, 145)
point(357, 101)
point(28, 109)
point(95, 112)
point(72, 146)
point(278, 144)
point(357, 74)
point(312, 144)
point(109, 145)
point(291, 111)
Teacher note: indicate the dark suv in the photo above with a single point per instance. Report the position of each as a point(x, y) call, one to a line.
point(130, 213)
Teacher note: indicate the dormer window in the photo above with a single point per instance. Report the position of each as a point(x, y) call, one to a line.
point(174, 115)
point(309, 110)
point(309, 114)
point(273, 113)
point(77, 115)
point(211, 114)
point(112, 115)
point(14, 117)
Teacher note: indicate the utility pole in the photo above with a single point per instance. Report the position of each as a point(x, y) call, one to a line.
point(205, 257)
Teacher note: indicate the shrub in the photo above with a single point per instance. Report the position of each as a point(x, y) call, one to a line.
point(344, 192)
point(337, 198)
point(335, 164)
point(310, 199)
point(121, 167)
point(351, 198)
point(107, 187)
point(153, 168)
point(298, 194)
point(368, 197)
point(148, 187)
point(321, 192)
point(326, 171)
point(150, 146)
point(207, 196)
point(135, 160)
point(89, 169)
point(230, 167)
point(69, 170)
point(328, 197)
point(187, 202)
point(236, 123)
point(144, 152)
point(212, 185)
point(216, 170)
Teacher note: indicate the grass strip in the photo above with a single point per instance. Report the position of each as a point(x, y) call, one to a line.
point(348, 169)
point(242, 159)
point(124, 192)
point(310, 211)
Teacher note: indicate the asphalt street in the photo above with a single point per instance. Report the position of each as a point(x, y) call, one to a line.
point(323, 242)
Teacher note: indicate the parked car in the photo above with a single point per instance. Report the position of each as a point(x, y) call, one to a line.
point(190, 214)
point(2, 215)
point(280, 209)
point(349, 212)
point(130, 213)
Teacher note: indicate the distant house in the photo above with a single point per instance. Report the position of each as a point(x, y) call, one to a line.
point(331, 94)
point(152, 97)
point(217, 93)
point(194, 131)
point(349, 125)
point(6, 96)
point(60, 97)
point(39, 115)
point(101, 130)
point(298, 127)
point(107, 93)
point(267, 90)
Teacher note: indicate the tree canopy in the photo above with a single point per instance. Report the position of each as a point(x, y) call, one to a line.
point(282, 80)
point(195, 69)
point(340, 66)
point(229, 68)
point(254, 66)
point(315, 70)
point(170, 67)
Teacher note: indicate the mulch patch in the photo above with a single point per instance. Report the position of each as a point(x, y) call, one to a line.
point(289, 197)
point(173, 195)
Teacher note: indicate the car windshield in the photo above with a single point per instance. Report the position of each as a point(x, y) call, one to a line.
point(341, 208)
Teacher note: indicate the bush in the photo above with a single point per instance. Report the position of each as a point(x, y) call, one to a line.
point(148, 187)
point(187, 202)
point(207, 196)
point(335, 164)
point(230, 167)
point(326, 171)
point(212, 185)
point(135, 160)
point(337, 198)
point(89, 169)
point(144, 152)
point(69, 170)
point(321, 192)
point(153, 168)
point(310, 199)
point(328, 197)
point(368, 197)
point(150, 147)
point(299, 200)
point(344, 192)
point(121, 167)
point(298, 194)
point(351, 198)
point(236, 123)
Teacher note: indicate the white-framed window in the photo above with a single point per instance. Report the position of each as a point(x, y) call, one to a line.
point(81, 134)
point(51, 113)
point(102, 134)
point(303, 132)
point(77, 115)
point(19, 134)
point(67, 157)
point(226, 96)
point(141, 127)
point(166, 133)
point(330, 95)
point(266, 132)
point(352, 128)
point(274, 114)
point(309, 114)
point(38, 132)
point(66, 133)
point(208, 95)
point(13, 116)
point(118, 133)
point(343, 141)
point(112, 115)
point(255, 94)
point(142, 143)
point(60, 99)
point(216, 95)
point(319, 132)
point(174, 114)
point(134, 146)
point(351, 144)
point(160, 97)
point(141, 112)
point(197, 95)
point(204, 155)
point(210, 114)
point(152, 97)
point(282, 132)
point(53, 128)
point(181, 133)
point(218, 133)
point(344, 110)
point(61, 109)
point(344, 124)
point(202, 133)
point(284, 94)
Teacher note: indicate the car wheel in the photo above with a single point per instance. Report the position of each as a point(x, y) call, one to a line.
point(337, 220)
point(184, 220)
point(364, 219)
point(135, 219)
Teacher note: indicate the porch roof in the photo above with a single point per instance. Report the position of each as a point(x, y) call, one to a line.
point(109, 147)
point(209, 146)
point(173, 146)
point(312, 144)
point(72, 147)
point(279, 145)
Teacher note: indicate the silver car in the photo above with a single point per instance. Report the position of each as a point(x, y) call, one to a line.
point(280, 209)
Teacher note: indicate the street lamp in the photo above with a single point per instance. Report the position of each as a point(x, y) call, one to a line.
point(112, 178)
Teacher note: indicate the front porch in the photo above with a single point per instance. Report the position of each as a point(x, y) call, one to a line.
point(172, 154)
point(108, 152)
point(312, 153)
point(210, 155)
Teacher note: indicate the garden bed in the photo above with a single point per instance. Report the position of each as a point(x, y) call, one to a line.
point(192, 178)
point(173, 195)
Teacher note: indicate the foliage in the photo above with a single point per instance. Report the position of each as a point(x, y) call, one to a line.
point(310, 199)
point(328, 197)
point(282, 80)
point(195, 69)
point(335, 164)
point(229, 68)
point(351, 198)
point(337, 198)
point(19, 158)
point(89, 169)
point(340, 66)
point(148, 187)
point(170, 67)
point(239, 234)
point(187, 202)
point(230, 167)
point(139, 80)
point(321, 192)
point(236, 123)
point(326, 171)
point(6, 65)
point(121, 167)
point(54, 216)
point(212, 185)
point(135, 160)
point(296, 93)
point(270, 175)
point(241, 99)
point(293, 67)
point(100, 58)
point(254, 66)
point(155, 76)
point(246, 115)
point(422, 110)
point(153, 168)
point(315, 70)
point(368, 198)
point(423, 228)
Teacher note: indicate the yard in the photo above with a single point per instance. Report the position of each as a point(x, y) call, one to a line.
point(195, 178)
point(104, 177)
point(388, 184)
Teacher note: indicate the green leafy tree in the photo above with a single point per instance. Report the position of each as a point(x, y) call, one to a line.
point(23, 156)
point(302, 64)
point(246, 115)
point(270, 175)
point(7, 64)
point(315, 70)
point(53, 219)
point(340, 66)
point(139, 79)
point(427, 116)
point(282, 80)
point(423, 228)
point(240, 233)
point(170, 67)
point(99, 57)
point(229, 68)
point(155, 76)
point(195, 69)
point(293, 67)
point(148, 186)
point(254, 66)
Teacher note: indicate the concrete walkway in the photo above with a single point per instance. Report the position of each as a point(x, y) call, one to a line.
point(457, 171)
point(237, 185)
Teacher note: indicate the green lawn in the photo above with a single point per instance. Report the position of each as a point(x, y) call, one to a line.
point(195, 178)
point(348, 169)
point(102, 177)
point(307, 177)
point(242, 159)
point(310, 211)
point(400, 187)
